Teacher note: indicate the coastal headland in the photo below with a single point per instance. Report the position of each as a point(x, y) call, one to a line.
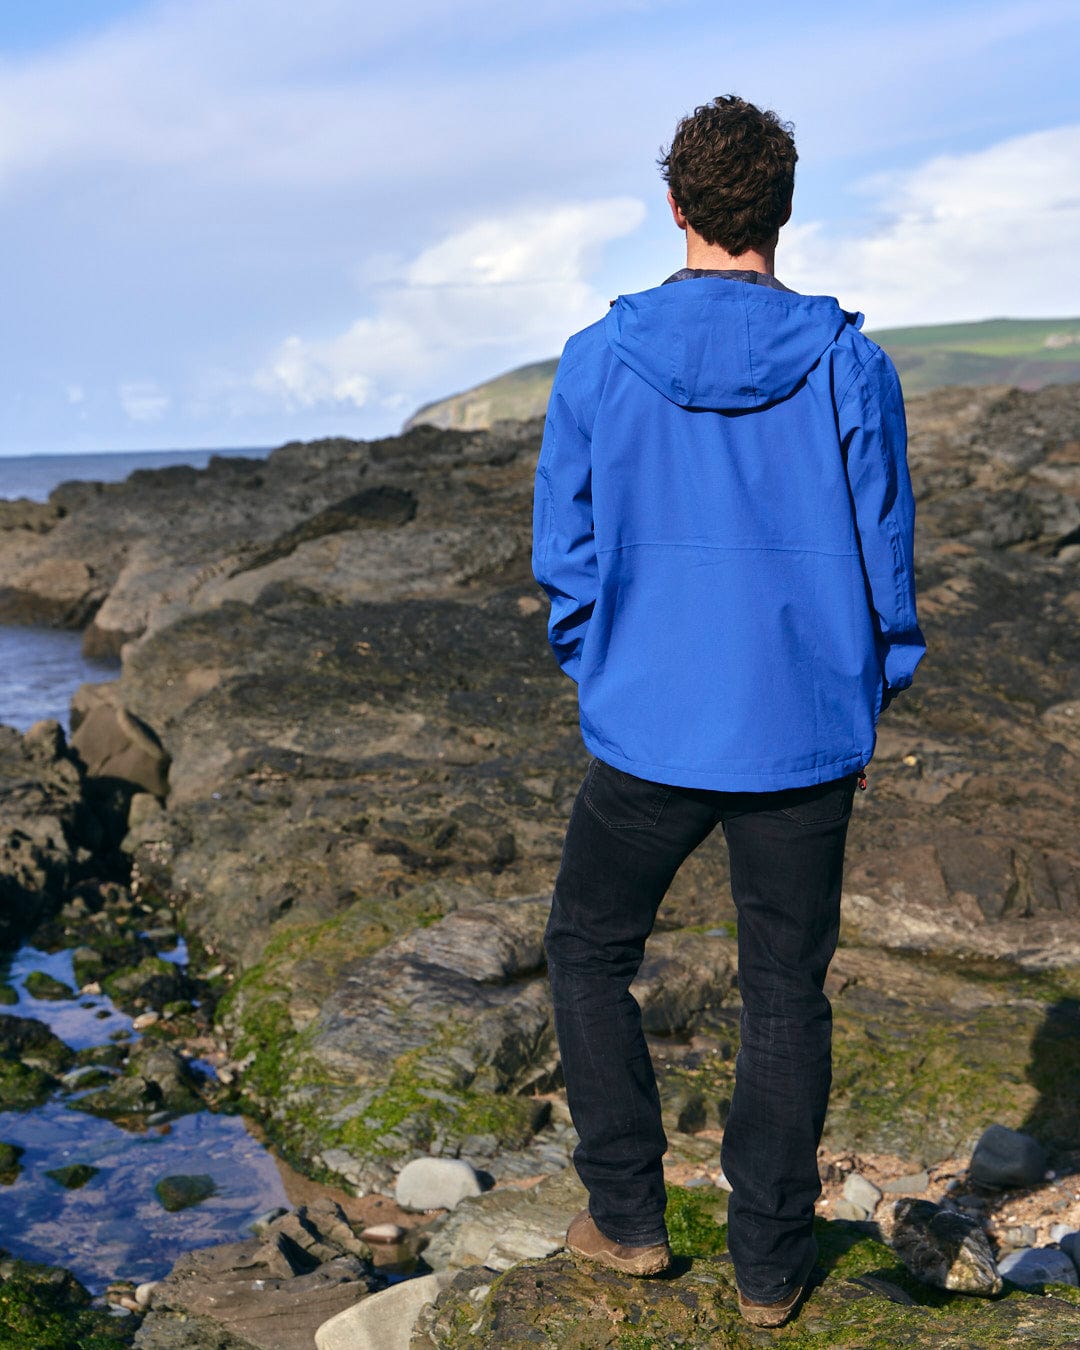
point(341, 755)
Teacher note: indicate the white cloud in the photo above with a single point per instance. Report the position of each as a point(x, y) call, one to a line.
point(961, 236)
point(75, 393)
point(143, 400)
point(516, 285)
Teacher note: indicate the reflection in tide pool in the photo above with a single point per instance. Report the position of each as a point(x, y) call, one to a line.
point(114, 1226)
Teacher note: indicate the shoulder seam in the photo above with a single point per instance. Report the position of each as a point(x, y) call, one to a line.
point(861, 366)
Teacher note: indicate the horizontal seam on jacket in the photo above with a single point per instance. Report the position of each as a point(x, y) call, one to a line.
point(853, 753)
point(737, 548)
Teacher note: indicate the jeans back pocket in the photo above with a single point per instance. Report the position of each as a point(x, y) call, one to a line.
point(622, 801)
point(822, 803)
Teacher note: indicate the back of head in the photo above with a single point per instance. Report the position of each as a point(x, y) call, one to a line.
point(731, 171)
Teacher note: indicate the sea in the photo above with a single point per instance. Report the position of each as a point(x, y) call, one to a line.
point(35, 476)
point(40, 668)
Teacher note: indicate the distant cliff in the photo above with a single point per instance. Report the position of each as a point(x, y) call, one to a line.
point(1024, 353)
point(513, 397)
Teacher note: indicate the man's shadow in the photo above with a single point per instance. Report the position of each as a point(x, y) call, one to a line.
point(1054, 1070)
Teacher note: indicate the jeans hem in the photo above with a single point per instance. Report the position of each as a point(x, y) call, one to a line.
point(771, 1295)
point(650, 1238)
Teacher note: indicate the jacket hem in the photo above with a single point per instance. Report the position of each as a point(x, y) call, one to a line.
point(729, 780)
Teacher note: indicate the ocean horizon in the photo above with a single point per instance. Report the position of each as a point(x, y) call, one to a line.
point(35, 476)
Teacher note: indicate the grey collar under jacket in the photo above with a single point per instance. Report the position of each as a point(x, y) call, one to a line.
point(732, 274)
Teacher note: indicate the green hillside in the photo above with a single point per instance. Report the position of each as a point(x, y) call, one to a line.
point(1027, 353)
point(515, 396)
point(1024, 352)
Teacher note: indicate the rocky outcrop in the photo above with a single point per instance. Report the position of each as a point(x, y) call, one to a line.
point(373, 756)
point(53, 833)
point(863, 1293)
point(117, 558)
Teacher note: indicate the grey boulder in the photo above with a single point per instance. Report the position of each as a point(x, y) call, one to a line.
point(1005, 1157)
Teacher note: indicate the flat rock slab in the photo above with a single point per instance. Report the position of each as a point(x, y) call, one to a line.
point(507, 1225)
point(562, 1302)
point(382, 1321)
point(267, 1293)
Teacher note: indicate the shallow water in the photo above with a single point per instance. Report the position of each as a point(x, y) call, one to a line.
point(40, 669)
point(115, 1226)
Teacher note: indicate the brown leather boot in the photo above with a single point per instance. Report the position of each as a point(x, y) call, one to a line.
point(770, 1314)
point(584, 1239)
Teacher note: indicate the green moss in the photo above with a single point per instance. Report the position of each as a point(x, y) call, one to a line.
point(40, 985)
point(9, 1163)
point(300, 1097)
point(563, 1302)
point(918, 1079)
point(8, 995)
point(22, 1087)
point(693, 1219)
point(1068, 1292)
point(153, 980)
point(74, 1176)
point(420, 1109)
point(42, 1308)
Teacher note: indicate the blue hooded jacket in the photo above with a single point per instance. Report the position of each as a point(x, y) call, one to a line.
point(724, 524)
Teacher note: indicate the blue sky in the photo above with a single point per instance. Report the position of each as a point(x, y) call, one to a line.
point(239, 222)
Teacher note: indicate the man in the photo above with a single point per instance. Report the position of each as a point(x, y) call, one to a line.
point(723, 524)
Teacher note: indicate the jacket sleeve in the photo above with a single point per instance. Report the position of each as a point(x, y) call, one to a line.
point(874, 439)
point(564, 549)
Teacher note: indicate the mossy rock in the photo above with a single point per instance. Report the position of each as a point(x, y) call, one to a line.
point(9, 1163)
point(155, 1078)
point(111, 1056)
point(307, 1112)
point(30, 1041)
point(88, 965)
point(8, 995)
point(40, 985)
point(926, 1053)
point(866, 1301)
point(74, 1176)
point(23, 1087)
point(181, 1192)
point(46, 1308)
point(153, 982)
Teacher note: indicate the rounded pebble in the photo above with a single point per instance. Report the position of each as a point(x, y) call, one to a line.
point(383, 1232)
point(435, 1183)
point(144, 1293)
point(1038, 1265)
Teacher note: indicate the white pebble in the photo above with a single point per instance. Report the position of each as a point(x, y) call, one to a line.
point(144, 1293)
point(435, 1183)
point(383, 1232)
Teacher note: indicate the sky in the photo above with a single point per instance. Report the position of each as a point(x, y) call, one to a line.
point(242, 222)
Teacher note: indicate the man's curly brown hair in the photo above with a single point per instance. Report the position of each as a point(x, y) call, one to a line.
point(731, 170)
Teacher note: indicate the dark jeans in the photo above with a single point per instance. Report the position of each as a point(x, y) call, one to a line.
point(626, 840)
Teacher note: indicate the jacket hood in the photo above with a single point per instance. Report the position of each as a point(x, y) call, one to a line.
point(710, 342)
